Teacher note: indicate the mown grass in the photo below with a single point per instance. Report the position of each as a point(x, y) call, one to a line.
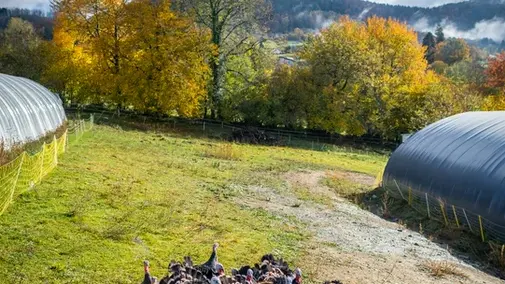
point(119, 197)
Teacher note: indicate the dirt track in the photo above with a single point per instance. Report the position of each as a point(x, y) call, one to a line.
point(354, 245)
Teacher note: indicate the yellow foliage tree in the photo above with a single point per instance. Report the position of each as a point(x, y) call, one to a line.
point(167, 69)
point(67, 65)
point(129, 53)
point(366, 73)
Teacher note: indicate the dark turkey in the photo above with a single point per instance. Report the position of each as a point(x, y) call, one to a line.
point(269, 271)
point(208, 269)
point(148, 279)
point(182, 274)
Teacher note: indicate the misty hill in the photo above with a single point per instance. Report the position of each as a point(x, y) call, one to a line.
point(489, 1)
point(474, 19)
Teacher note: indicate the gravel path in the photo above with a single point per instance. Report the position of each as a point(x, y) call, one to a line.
point(355, 245)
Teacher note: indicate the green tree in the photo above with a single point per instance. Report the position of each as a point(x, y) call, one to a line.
point(453, 50)
point(439, 67)
point(431, 47)
point(467, 72)
point(21, 52)
point(439, 32)
point(246, 80)
point(235, 26)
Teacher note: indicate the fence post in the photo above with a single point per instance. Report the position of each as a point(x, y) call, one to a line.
point(55, 150)
point(442, 207)
point(65, 141)
point(455, 215)
point(427, 204)
point(204, 126)
point(14, 184)
point(410, 196)
point(312, 147)
point(399, 190)
point(42, 163)
point(467, 221)
point(481, 229)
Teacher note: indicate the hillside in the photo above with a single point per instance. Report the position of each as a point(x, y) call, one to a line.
point(473, 20)
point(43, 23)
point(460, 17)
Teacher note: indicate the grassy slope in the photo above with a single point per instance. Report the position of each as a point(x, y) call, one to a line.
point(119, 197)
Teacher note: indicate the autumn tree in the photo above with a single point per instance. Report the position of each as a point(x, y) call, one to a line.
point(495, 72)
point(452, 50)
point(236, 27)
point(367, 73)
point(20, 50)
point(431, 46)
point(336, 59)
point(166, 67)
point(100, 27)
point(136, 53)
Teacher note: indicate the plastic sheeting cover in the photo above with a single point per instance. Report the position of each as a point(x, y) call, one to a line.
point(27, 110)
point(460, 159)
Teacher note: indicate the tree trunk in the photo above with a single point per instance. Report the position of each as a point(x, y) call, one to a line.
point(217, 65)
point(218, 79)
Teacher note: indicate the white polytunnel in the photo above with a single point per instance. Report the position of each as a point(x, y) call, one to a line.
point(28, 110)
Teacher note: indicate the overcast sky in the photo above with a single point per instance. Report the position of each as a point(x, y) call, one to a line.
point(44, 4)
point(419, 3)
point(29, 4)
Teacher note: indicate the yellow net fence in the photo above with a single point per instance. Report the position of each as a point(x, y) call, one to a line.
point(27, 170)
point(448, 214)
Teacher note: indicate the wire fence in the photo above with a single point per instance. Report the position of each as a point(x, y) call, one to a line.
point(308, 139)
point(27, 170)
point(446, 213)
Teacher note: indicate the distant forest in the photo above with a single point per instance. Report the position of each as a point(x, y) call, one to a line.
point(289, 15)
point(310, 14)
point(42, 22)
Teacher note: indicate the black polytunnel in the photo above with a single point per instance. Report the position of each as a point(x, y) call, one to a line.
point(456, 161)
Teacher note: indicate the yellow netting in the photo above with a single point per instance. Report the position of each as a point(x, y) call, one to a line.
point(24, 172)
point(448, 214)
point(378, 179)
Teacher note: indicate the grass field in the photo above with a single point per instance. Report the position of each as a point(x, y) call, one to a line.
point(119, 197)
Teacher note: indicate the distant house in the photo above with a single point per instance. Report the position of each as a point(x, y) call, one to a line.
point(287, 60)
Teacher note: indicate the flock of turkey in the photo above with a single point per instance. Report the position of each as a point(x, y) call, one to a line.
point(269, 271)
